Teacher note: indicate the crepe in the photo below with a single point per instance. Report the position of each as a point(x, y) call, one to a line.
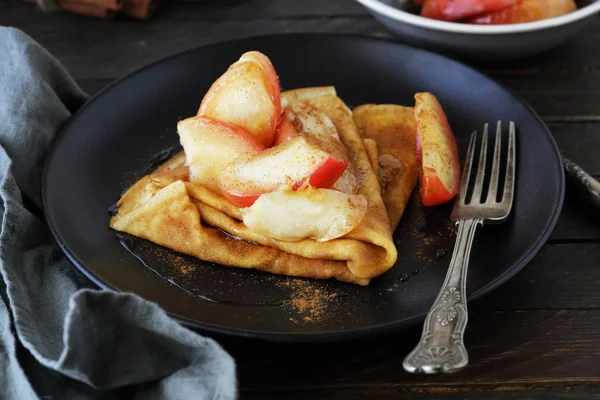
point(166, 208)
point(393, 128)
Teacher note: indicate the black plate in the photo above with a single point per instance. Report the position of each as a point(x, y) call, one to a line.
point(106, 144)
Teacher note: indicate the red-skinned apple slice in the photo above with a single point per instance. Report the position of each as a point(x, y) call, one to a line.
point(248, 95)
point(290, 126)
point(526, 11)
point(289, 165)
point(319, 214)
point(452, 10)
point(440, 177)
point(211, 145)
point(303, 119)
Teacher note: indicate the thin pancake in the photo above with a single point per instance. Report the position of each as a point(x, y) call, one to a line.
point(171, 219)
point(364, 253)
point(394, 129)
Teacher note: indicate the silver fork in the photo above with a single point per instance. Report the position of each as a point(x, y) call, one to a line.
point(441, 348)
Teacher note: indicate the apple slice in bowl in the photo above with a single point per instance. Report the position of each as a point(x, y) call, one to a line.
point(526, 11)
point(453, 10)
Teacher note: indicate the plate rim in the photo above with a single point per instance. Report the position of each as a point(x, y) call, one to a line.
point(310, 337)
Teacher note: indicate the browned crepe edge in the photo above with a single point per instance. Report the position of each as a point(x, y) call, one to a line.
point(373, 154)
point(171, 219)
point(401, 144)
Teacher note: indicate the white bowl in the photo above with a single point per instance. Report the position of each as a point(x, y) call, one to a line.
point(483, 41)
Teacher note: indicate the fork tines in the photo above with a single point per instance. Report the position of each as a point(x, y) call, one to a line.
point(479, 196)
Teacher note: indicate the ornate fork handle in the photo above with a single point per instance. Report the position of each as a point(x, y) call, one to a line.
point(441, 347)
point(590, 186)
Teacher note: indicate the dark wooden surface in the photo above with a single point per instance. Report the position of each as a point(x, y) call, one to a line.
point(537, 337)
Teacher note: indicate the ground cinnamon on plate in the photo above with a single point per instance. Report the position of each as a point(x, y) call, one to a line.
point(309, 301)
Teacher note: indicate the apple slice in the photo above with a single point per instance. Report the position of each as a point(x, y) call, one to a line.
point(289, 165)
point(248, 95)
point(440, 177)
point(452, 10)
point(319, 214)
point(526, 11)
point(289, 127)
point(211, 145)
point(301, 118)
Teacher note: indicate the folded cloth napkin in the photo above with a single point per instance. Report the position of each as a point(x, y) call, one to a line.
point(84, 343)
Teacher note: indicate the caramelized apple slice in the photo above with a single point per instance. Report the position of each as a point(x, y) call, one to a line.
point(248, 95)
point(319, 214)
point(289, 127)
point(303, 119)
point(211, 145)
point(289, 165)
point(527, 11)
point(440, 177)
point(452, 10)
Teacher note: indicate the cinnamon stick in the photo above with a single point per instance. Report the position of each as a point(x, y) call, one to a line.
point(140, 9)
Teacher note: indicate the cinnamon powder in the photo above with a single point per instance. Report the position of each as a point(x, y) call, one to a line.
point(309, 301)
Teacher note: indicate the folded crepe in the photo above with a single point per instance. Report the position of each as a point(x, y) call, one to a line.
point(166, 208)
point(393, 128)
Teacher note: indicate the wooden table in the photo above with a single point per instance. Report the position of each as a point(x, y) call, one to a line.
point(537, 337)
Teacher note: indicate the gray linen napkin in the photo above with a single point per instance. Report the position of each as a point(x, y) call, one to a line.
point(86, 343)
